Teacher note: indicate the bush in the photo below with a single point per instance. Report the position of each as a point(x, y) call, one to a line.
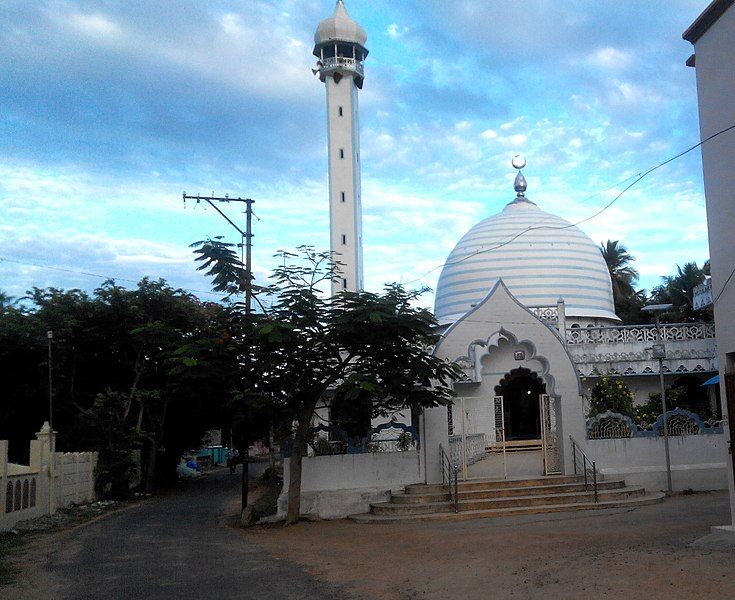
point(611, 394)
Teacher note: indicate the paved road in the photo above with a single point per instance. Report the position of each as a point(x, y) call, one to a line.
point(178, 546)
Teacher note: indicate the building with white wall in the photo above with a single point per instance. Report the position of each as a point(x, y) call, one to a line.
point(713, 37)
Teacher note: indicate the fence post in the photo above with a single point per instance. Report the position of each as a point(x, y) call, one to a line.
point(3, 473)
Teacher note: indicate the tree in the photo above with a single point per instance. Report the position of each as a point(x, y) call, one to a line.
point(307, 348)
point(115, 343)
point(623, 276)
point(678, 289)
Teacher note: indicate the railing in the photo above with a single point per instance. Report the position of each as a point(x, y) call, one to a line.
point(639, 333)
point(449, 477)
point(475, 448)
point(587, 466)
point(546, 313)
point(343, 62)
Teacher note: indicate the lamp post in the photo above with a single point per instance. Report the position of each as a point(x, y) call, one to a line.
point(659, 351)
point(50, 336)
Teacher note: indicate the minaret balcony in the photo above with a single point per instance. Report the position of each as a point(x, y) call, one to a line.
point(342, 63)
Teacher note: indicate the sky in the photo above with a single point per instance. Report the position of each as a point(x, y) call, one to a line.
point(109, 110)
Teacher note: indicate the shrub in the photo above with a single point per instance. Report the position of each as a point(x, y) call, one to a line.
point(611, 394)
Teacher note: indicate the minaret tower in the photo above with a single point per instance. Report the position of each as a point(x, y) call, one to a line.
point(340, 50)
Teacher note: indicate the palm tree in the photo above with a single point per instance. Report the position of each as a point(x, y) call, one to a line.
point(678, 289)
point(622, 273)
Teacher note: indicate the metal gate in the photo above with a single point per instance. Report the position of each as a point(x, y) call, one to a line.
point(500, 430)
point(550, 450)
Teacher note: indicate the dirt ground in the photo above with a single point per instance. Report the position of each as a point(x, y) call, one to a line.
point(619, 553)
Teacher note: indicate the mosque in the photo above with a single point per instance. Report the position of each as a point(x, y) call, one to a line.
point(526, 301)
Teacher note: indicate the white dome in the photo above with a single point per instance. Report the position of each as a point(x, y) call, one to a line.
point(340, 28)
point(550, 259)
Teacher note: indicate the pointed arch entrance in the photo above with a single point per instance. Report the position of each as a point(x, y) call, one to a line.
point(521, 389)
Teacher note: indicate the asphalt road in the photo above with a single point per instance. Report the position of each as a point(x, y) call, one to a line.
point(178, 546)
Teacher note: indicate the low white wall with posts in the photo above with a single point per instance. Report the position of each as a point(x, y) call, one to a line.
point(698, 462)
point(50, 481)
point(338, 485)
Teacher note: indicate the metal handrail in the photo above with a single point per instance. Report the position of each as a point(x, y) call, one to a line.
point(592, 471)
point(450, 477)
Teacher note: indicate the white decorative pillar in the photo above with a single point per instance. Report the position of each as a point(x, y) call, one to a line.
point(43, 458)
point(561, 318)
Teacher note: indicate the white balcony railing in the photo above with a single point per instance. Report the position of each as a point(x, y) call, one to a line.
point(639, 333)
point(343, 62)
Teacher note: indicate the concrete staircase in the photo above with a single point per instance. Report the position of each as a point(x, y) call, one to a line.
point(497, 498)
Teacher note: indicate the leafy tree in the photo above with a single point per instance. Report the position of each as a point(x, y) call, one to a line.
point(307, 348)
point(611, 394)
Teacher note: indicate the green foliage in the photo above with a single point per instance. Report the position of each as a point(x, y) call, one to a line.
point(405, 441)
point(158, 347)
point(358, 345)
point(611, 394)
point(678, 289)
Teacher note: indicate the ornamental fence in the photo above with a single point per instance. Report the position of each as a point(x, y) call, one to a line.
point(680, 422)
point(639, 333)
point(388, 437)
point(50, 480)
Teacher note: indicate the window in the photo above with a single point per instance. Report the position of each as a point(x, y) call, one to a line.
point(341, 112)
point(342, 196)
point(344, 239)
point(344, 283)
point(341, 152)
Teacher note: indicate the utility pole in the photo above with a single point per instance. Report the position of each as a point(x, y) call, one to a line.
point(247, 238)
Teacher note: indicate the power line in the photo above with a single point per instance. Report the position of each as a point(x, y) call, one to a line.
point(637, 179)
point(88, 274)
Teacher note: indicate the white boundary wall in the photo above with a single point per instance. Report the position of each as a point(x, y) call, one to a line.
point(339, 485)
point(50, 481)
point(698, 462)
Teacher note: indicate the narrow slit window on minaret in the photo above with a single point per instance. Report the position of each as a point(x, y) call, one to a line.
point(341, 112)
point(344, 239)
point(341, 152)
point(344, 283)
point(342, 197)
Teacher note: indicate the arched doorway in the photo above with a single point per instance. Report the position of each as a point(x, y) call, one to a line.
point(521, 389)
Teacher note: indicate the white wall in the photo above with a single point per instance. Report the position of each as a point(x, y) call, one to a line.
point(715, 65)
point(698, 462)
point(343, 484)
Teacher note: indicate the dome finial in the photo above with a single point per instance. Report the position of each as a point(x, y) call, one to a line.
point(519, 185)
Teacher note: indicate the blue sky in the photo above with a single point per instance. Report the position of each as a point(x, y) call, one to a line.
point(110, 109)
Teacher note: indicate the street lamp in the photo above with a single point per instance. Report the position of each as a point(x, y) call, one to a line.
point(659, 351)
point(50, 336)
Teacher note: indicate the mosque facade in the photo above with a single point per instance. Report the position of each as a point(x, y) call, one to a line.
point(526, 302)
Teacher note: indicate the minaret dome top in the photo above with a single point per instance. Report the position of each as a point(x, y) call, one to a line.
point(339, 28)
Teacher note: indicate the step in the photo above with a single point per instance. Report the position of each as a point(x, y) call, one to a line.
point(390, 508)
point(490, 492)
point(435, 488)
point(634, 502)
